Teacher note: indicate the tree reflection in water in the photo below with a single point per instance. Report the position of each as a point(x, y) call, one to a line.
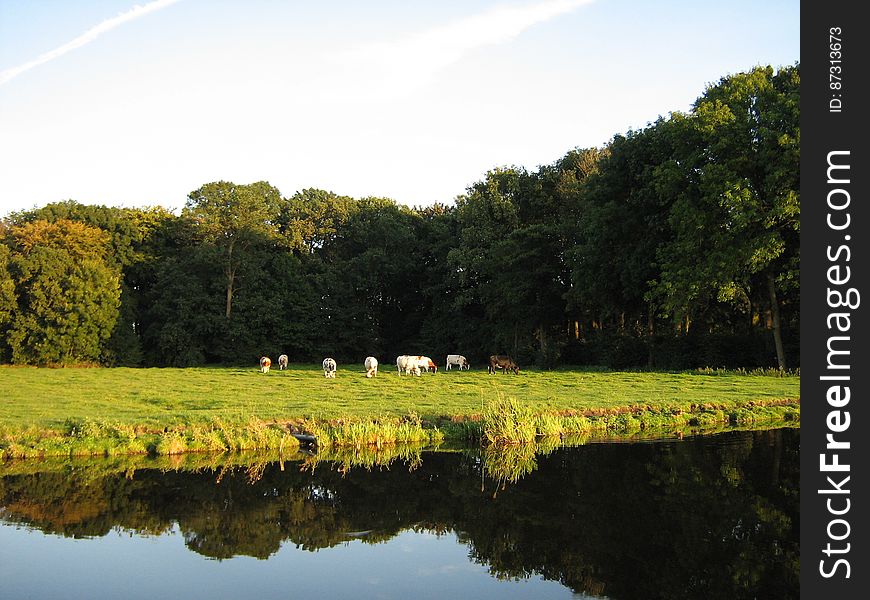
point(712, 517)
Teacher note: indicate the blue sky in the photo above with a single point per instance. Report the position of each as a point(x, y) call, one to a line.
point(105, 102)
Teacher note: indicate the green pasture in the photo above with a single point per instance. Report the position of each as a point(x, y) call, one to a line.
point(158, 398)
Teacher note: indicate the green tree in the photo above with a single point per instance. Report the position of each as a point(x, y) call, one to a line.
point(133, 248)
point(68, 294)
point(233, 217)
point(621, 224)
point(368, 281)
point(311, 218)
point(516, 230)
point(737, 216)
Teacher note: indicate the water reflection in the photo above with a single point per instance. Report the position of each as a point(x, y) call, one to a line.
point(712, 517)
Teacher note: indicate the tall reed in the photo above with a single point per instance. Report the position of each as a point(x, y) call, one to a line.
point(506, 421)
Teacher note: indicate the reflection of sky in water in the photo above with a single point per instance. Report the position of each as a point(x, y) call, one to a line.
point(125, 565)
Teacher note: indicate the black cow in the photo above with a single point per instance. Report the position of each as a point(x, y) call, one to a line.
point(503, 362)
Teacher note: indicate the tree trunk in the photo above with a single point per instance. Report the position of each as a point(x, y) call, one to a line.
point(231, 277)
point(543, 342)
point(777, 326)
point(650, 331)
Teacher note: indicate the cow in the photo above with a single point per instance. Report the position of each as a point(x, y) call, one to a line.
point(265, 363)
point(430, 364)
point(412, 365)
point(503, 362)
point(329, 367)
point(282, 362)
point(457, 360)
point(371, 365)
point(407, 364)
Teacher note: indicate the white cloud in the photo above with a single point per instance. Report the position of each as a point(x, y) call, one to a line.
point(86, 38)
point(384, 69)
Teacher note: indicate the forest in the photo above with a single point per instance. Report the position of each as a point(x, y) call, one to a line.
point(675, 246)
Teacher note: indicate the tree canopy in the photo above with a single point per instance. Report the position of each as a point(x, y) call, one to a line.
point(673, 246)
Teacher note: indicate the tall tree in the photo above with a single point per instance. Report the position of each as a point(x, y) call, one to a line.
point(133, 249)
point(368, 281)
point(311, 218)
point(233, 217)
point(621, 224)
point(738, 229)
point(512, 255)
point(487, 214)
point(68, 294)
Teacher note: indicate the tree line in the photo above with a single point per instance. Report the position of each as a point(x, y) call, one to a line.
point(673, 246)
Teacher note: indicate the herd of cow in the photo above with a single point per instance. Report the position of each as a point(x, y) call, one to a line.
point(405, 364)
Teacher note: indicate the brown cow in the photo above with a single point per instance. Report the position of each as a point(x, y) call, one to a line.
point(503, 362)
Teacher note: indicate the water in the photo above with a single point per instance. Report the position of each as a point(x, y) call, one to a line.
point(709, 517)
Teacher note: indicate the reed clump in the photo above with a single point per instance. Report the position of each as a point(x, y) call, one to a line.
point(507, 421)
point(222, 436)
point(381, 431)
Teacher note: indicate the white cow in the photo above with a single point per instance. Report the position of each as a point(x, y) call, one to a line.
point(408, 364)
point(415, 364)
point(427, 364)
point(457, 360)
point(371, 365)
point(282, 362)
point(329, 367)
point(265, 363)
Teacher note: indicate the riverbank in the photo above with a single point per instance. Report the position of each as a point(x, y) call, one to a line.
point(63, 412)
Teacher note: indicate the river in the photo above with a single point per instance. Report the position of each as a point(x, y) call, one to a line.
point(702, 517)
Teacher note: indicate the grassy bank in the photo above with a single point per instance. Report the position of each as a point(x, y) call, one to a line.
point(169, 411)
point(503, 463)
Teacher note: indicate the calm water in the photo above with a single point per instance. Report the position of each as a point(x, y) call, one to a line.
point(711, 517)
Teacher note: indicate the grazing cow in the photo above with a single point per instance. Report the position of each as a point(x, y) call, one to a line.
point(409, 365)
point(503, 362)
point(371, 365)
point(405, 365)
point(282, 362)
point(329, 367)
point(265, 363)
point(422, 364)
point(457, 360)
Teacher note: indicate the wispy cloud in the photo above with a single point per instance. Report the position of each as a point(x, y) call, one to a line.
point(413, 60)
point(86, 38)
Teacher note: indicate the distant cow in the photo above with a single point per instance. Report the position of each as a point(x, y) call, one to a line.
point(282, 362)
point(430, 364)
point(371, 365)
point(457, 360)
point(329, 367)
point(265, 363)
point(503, 362)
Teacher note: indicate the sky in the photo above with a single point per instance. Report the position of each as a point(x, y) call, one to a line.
point(124, 104)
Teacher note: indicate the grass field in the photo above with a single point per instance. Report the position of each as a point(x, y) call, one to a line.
point(157, 399)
